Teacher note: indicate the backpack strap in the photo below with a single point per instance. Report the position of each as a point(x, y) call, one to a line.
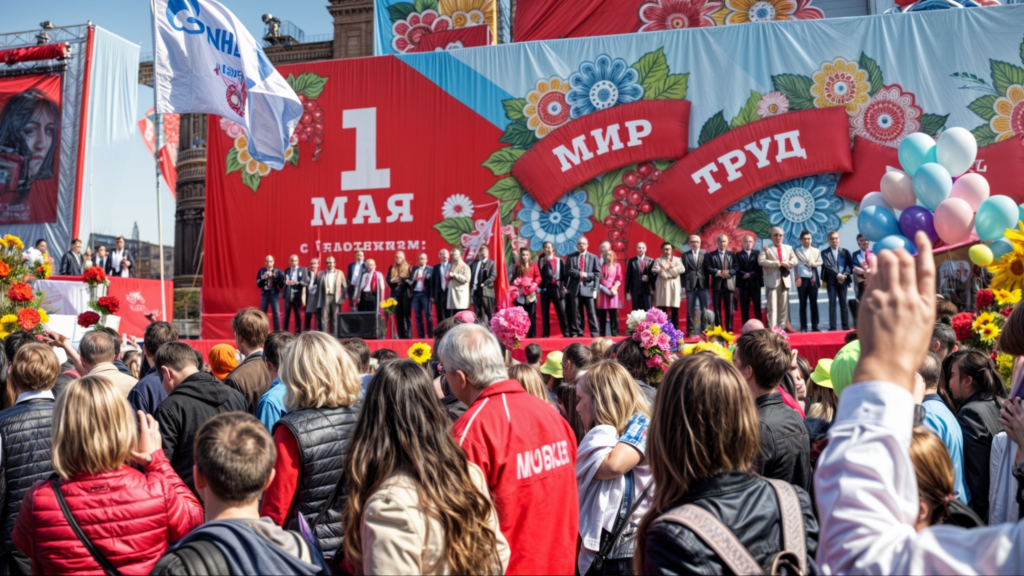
point(300, 541)
point(100, 559)
point(794, 538)
point(716, 535)
point(202, 558)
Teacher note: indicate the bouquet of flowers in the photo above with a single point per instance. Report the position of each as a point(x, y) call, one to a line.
point(524, 287)
point(510, 325)
point(94, 276)
point(20, 306)
point(720, 336)
point(388, 306)
point(657, 336)
point(980, 330)
point(420, 352)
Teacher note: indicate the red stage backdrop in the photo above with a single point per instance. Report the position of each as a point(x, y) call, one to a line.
point(29, 148)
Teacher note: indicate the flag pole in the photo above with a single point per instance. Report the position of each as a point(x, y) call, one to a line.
point(156, 161)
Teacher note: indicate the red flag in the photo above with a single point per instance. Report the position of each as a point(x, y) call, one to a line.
point(496, 246)
point(168, 145)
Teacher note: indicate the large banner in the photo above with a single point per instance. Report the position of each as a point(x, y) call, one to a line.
point(30, 112)
point(645, 137)
point(410, 26)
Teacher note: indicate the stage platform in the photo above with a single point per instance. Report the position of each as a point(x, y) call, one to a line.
point(811, 345)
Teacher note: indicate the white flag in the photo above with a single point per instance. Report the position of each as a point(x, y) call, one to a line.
point(206, 61)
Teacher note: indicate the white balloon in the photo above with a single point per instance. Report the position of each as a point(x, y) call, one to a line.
point(898, 189)
point(875, 199)
point(956, 150)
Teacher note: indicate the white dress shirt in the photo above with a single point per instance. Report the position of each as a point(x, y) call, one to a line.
point(116, 257)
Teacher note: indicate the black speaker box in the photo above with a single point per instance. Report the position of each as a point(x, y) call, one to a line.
point(358, 325)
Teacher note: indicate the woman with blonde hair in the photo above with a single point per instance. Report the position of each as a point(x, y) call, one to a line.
point(312, 438)
point(415, 504)
point(532, 381)
point(702, 444)
point(398, 280)
point(128, 515)
point(613, 410)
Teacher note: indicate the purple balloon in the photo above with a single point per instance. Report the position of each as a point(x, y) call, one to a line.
point(918, 219)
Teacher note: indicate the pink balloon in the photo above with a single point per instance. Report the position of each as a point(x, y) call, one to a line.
point(898, 190)
point(954, 220)
point(971, 187)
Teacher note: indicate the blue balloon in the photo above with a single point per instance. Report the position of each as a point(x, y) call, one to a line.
point(875, 223)
point(994, 216)
point(932, 185)
point(1021, 215)
point(896, 242)
point(1000, 247)
point(914, 151)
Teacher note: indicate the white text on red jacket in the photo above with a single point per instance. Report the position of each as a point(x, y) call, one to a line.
point(547, 457)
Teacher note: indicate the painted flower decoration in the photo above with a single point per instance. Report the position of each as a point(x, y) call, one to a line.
point(232, 129)
point(841, 83)
point(677, 14)
point(727, 223)
point(457, 205)
point(420, 352)
point(602, 84)
point(808, 203)
point(28, 319)
point(407, 34)
point(890, 116)
point(252, 165)
point(1009, 119)
point(567, 220)
point(465, 13)
point(546, 108)
point(772, 104)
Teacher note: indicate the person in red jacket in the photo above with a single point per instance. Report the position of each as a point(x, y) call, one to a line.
point(130, 516)
point(526, 451)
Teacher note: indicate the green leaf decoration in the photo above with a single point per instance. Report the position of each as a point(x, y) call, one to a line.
point(600, 192)
point(757, 222)
point(501, 161)
point(932, 124)
point(518, 134)
point(671, 87)
point(507, 189)
point(294, 160)
point(508, 210)
point(421, 5)
point(308, 84)
point(984, 135)
point(662, 226)
point(1022, 52)
point(232, 164)
point(874, 72)
point(514, 108)
point(797, 89)
point(663, 164)
point(452, 229)
point(984, 106)
point(846, 218)
point(251, 180)
point(748, 113)
point(1005, 75)
point(713, 128)
point(400, 11)
point(651, 67)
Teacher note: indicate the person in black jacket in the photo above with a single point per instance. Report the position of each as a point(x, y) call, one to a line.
point(193, 398)
point(552, 290)
point(763, 358)
point(270, 281)
point(972, 381)
point(702, 453)
point(749, 278)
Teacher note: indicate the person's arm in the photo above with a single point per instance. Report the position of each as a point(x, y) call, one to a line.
point(61, 341)
point(268, 412)
point(765, 263)
point(260, 280)
point(184, 512)
point(168, 427)
point(278, 497)
point(24, 536)
point(570, 270)
point(977, 445)
point(620, 460)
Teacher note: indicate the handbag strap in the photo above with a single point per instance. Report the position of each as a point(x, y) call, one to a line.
point(793, 537)
point(716, 535)
point(626, 510)
point(96, 555)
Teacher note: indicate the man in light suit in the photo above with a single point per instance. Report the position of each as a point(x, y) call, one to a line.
point(808, 279)
point(584, 272)
point(838, 272)
point(482, 285)
point(72, 263)
point(695, 280)
point(119, 264)
point(747, 273)
point(552, 290)
point(355, 272)
point(294, 285)
point(718, 267)
point(311, 295)
point(639, 285)
point(777, 261)
point(459, 275)
point(419, 282)
point(332, 288)
point(439, 285)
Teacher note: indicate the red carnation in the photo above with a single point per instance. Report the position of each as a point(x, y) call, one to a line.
point(20, 292)
point(87, 319)
point(994, 356)
point(984, 299)
point(4, 270)
point(28, 319)
point(109, 303)
point(94, 275)
point(962, 323)
point(1007, 311)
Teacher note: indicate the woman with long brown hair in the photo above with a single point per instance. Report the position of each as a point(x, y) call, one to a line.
point(701, 445)
point(526, 279)
point(398, 276)
point(415, 505)
point(935, 478)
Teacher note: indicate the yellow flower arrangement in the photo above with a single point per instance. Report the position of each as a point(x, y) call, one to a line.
point(1004, 362)
point(983, 319)
point(988, 333)
point(43, 316)
point(420, 352)
point(1006, 297)
point(720, 333)
point(1009, 270)
point(710, 347)
point(388, 306)
point(13, 241)
point(8, 324)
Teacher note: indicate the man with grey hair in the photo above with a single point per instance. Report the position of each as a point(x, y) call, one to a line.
point(97, 354)
point(526, 453)
point(777, 260)
point(439, 285)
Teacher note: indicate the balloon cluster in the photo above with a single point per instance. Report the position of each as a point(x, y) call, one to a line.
point(936, 195)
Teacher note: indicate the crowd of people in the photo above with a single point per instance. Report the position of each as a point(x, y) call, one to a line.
point(311, 455)
point(583, 288)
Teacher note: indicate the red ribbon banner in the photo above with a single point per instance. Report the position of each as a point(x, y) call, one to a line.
point(751, 157)
point(600, 142)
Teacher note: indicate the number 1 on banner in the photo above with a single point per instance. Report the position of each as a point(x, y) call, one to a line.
point(366, 176)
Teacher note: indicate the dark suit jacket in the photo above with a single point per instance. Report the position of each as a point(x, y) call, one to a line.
point(484, 278)
point(548, 281)
point(101, 263)
point(742, 264)
point(295, 292)
point(251, 379)
point(108, 266)
point(577, 285)
point(713, 264)
point(437, 294)
point(695, 277)
point(635, 271)
point(428, 278)
point(71, 264)
point(830, 268)
point(272, 285)
point(353, 281)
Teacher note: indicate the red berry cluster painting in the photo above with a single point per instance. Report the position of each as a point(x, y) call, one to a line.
point(630, 201)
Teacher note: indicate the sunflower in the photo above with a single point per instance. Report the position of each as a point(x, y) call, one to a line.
point(1009, 270)
point(14, 241)
point(420, 352)
point(466, 13)
point(983, 319)
point(710, 347)
point(9, 323)
point(1007, 297)
point(721, 334)
point(988, 333)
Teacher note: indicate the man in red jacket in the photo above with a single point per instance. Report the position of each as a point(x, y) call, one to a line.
point(527, 453)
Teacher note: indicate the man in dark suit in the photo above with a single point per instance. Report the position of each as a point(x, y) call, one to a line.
point(72, 263)
point(102, 257)
point(747, 273)
point(695, 280)
point(355, 271)
point(294, 284)
point(552, 290)
point(439, 285)
point(718, 267)
point(118, 263)
point(270, 281)
point(311, 293)
point(482, 285)
point(419, 282)
point(639, 279)
point(584, 272)
point(837, 269)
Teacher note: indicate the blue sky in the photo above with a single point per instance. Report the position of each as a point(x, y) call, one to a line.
point(123, 181)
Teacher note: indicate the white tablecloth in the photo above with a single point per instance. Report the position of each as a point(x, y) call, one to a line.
point(66, 297)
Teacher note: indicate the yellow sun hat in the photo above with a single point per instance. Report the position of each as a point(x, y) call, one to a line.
point(821, 375)
point(552, 364)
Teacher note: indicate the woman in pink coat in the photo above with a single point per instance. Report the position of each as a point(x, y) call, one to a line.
point(608, 298)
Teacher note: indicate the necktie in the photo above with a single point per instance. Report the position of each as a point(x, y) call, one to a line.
point(373, 282)
point(779, 248)
point(583, 258)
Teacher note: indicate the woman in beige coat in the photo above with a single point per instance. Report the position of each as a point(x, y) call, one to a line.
point(458, 283)
point(416, 505)
point(669, 286)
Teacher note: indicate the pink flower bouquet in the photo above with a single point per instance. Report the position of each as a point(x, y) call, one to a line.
point(510, 325)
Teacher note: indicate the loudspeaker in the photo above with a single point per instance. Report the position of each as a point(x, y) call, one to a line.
point(357, 325)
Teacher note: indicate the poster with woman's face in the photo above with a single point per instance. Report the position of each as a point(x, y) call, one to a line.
point(29, 148)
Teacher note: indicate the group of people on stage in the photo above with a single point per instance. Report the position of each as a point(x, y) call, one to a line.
point(116, 262)
point(583, 288)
